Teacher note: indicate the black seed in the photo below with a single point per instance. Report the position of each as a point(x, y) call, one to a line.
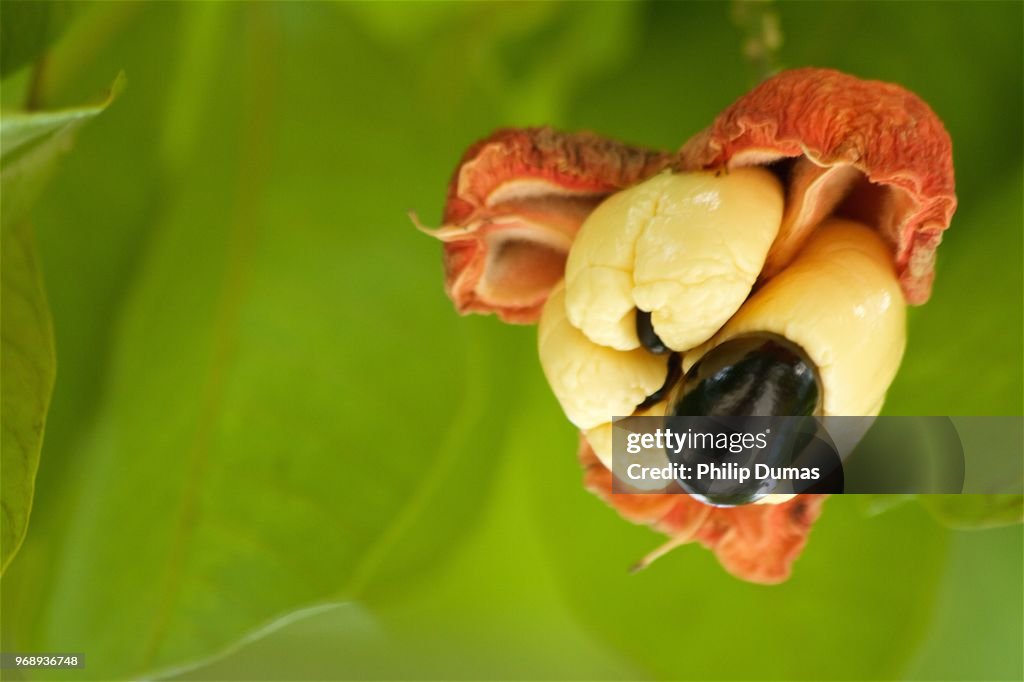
point(648, 337)
point(675, 372)
point(760, 375)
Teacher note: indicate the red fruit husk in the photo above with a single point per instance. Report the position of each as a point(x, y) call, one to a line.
point(869, 150)
point(514, 205)
point(755, 542)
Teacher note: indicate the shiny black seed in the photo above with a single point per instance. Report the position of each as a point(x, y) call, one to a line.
point(675, 372)
point(756, 375)
point(648, 337)
point(760, 375)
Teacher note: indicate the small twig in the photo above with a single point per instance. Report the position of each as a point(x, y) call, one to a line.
point(762, 34)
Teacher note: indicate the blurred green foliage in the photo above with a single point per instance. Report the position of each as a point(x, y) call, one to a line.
point(30, 145)
point(265, 402)
point(27, 28)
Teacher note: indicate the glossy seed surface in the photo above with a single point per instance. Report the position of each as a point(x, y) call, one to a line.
point(755, 375)
point(648, 337)
point(672, 377)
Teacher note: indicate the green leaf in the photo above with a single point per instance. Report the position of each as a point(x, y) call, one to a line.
point(27, 27)
point(29, 366)
point(994, 463)
point(30, 144)
point(20, 129)
point(289, 411)
point(977, 629)
point(494, 611)
point(875, 504)
point(975, 511)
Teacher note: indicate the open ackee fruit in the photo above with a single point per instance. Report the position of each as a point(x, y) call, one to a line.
point(764, 269)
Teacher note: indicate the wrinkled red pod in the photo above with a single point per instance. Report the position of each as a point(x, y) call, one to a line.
point(867, 150)
point(514, 205)
point(756, 542)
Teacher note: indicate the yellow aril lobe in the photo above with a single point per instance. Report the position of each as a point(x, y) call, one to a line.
point(686, 247)
point(841, 302)
point(592, 383)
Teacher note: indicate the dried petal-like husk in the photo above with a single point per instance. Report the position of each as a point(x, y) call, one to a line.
point(514, 205)
point(755, 542)
point(867, 150)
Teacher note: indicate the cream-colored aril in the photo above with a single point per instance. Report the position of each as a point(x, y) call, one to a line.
point(593, 383)
point(600, 438)
point(686, 247)
point(841, 302)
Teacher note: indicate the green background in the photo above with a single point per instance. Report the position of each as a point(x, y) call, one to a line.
point(269, 424)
